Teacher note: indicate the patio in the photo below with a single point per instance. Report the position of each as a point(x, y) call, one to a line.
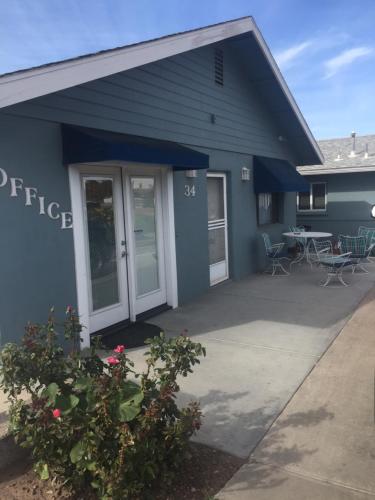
point(263, 336)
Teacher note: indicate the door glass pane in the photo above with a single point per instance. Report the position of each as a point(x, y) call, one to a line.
point(319, 196)
point(102, 242)
point(265, 208)
point(215, 198)
point(146, 252)
point(216, 245)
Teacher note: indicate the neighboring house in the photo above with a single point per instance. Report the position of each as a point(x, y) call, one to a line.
point(171, 156)
point(342, 189)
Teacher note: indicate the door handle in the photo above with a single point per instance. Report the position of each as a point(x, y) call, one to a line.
point(124, 253)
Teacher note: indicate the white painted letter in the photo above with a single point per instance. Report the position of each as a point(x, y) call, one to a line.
point(50, 208)
point(15, 184)
point(42, 210)
point(66, 220)
point(4, 177)
point(30, 193)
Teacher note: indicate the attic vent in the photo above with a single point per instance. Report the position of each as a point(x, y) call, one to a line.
point(219, 67)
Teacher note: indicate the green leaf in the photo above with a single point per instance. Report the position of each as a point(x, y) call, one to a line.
point(77, 452)
point(83, 383)
point(42, 469)
point(51, 392)
point(128, 411)
point(66, 403)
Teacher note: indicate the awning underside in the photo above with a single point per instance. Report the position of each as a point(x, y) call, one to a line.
point(277, 176)
point(86, 145)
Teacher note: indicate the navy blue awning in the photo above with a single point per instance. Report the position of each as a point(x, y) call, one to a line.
point(87, 145)
point(277, 176)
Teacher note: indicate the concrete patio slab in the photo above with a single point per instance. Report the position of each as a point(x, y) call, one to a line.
point(322, 445)
point(263, 336)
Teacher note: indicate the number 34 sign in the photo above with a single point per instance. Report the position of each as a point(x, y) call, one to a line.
point(189, 191)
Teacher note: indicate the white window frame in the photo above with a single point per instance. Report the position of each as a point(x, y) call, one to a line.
point(311, 209)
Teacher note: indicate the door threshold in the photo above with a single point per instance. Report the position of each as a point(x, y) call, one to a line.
point(152, 312)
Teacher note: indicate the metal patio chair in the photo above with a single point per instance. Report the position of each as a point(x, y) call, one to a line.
point(276, 253)
point(357, 246)
point(334, 264)
point(301, 242)
point(369, 234)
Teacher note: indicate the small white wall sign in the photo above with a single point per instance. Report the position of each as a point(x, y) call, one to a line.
point(31, 196)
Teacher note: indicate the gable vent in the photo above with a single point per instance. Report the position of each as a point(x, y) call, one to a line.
point(219, 66)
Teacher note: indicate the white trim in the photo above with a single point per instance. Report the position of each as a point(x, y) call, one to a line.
point(331, 171)
point(35, 82)
point(218, 268)
point(79, 256)
point(311, 209)
point(170, 237)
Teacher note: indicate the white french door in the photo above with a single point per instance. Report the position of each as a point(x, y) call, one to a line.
point(217, 227)
point(122, 218)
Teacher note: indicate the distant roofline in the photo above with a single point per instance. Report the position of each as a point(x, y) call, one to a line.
point(26, 84)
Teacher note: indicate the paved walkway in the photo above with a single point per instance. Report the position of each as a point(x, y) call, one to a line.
point(322, 446)
point(263, 336)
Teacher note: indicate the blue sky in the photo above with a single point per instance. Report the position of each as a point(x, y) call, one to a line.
point(325, 48)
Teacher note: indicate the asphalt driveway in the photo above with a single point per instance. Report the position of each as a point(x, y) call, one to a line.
point(263, 336)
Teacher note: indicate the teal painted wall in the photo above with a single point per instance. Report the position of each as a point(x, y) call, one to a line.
point(36, 256)
point(349, 201)
point(173, 100)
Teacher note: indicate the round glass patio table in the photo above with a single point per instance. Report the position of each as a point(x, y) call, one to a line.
point(307, 236)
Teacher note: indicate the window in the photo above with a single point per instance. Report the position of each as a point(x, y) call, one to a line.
point(316, 199)
point(269, 208)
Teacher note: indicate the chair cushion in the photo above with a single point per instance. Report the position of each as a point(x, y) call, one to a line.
point(337, 263)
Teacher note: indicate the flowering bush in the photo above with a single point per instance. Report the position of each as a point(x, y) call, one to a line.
point(98, 425)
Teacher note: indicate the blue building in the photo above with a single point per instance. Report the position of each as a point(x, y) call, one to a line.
point(171, 156)
point(342, 189)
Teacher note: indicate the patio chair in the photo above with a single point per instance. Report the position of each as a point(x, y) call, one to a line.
point(334, 264)
point(301, 242)
point(275, 252)
point(369, 234)
point(357, 246)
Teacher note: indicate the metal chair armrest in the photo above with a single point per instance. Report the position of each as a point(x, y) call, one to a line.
point(278, 247)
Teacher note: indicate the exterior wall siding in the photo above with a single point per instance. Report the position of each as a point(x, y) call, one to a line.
point(171, 100)
point(36, 255)
point(349, 201)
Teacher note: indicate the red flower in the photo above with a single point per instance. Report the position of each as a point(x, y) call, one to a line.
point(56, 413)
point(112, 360)
point(119, 349)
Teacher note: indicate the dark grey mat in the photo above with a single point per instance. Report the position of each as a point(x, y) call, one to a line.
point(130, 336)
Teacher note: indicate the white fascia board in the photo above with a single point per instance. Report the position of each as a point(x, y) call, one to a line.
point(24, 85)
point(280, 79)
point(330, 171)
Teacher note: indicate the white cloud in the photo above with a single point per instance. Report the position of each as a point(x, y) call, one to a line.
point(345, 58)
point(286, 57)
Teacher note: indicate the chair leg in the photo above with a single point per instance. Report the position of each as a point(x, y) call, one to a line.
point(359, 266)
point(276, 264)
point(339, 277)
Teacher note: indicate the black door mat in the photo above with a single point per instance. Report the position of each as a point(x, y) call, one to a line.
point(130, 336)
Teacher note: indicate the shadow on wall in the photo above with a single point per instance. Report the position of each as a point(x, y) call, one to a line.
point(341, 217)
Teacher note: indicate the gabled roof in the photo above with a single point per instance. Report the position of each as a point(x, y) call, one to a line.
point(42, 80)
point(338, 158)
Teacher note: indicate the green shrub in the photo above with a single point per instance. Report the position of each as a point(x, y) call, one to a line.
point(97, 425)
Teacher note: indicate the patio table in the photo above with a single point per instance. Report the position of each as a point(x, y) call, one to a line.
point(307, 236)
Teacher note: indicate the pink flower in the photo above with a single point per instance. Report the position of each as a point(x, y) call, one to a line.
point(112, 360)
point(119, 349)
point(69, 310)
point(56, 413)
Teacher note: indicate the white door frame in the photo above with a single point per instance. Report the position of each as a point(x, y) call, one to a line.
point(167, 208)
point(222, 223)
